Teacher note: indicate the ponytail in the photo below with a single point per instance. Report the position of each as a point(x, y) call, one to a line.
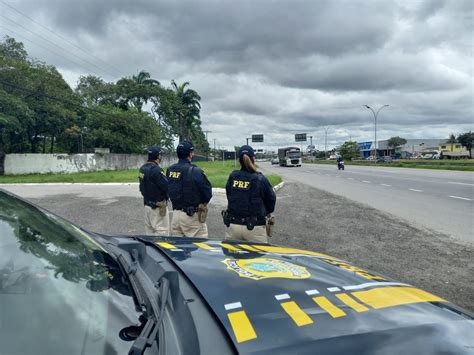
point(247, 163)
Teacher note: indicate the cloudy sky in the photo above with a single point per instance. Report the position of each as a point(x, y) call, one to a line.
point(274, 67)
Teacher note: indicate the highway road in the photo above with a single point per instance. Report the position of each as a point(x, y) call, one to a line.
point(440, 200)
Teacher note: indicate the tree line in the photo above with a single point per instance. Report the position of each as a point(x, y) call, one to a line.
point(41, 113)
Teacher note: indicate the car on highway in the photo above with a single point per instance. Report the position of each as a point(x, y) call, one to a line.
point(64, 290)
point(275, 161)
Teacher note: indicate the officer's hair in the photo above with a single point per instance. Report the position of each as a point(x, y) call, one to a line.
point(247, 164)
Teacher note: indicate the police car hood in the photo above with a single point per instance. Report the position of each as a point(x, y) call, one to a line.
point(283, 300)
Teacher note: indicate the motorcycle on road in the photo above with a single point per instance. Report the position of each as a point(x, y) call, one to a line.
point(340, 165)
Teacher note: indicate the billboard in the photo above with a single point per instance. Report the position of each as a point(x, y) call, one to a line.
point(300, 137)
point(257, 138)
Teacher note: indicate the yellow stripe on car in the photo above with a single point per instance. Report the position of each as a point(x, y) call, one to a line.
point(329, 307)
point(248, 247)
point(230, 247)
point(241, 326)
point(281, 250)
point(166, 245)
point(349, 301)
point(203, 246)
point(394, 296)
point(296, 313)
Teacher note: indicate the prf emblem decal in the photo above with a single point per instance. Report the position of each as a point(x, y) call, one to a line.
point(241, 185)
point(175, 174)
point(266, 268)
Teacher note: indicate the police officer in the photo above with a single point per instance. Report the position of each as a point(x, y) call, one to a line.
point(250, 199)
point(154, 189)
point(190, 191)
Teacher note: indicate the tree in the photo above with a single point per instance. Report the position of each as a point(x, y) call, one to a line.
point(451, 139)
point(349, 150)
point(187, 110)
point(395, 142)
point(466, 140)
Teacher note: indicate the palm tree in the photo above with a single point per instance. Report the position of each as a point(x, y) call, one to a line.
point(188, 110)
point(451, 139)
point(139, 89)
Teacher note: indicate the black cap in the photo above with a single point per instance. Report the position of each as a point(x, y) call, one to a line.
point(246, 149)
point(154, 152)
point(184, 148)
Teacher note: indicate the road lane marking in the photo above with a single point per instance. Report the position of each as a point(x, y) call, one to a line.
point(460, 183)
point(367, 182)
point(461, 198)
point(386, 185)
point(415, 190)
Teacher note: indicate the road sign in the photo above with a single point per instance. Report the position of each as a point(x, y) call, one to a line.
point(257, 138)
point(300, 137)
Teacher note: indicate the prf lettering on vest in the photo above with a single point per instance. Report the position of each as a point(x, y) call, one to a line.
point(240, 184)
point(175, 174)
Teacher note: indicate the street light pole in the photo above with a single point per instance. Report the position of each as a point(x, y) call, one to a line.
point(375, 118)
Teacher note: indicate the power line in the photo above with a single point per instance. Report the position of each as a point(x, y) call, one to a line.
point(54, 44)
point(47, 49)
point(118, 71)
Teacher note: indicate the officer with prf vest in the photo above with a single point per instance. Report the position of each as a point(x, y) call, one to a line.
point(154, 189)
point(250, 200)
point(190, 191)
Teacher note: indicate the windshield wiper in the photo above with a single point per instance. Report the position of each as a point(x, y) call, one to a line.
point(148, 334)
point(148, 331)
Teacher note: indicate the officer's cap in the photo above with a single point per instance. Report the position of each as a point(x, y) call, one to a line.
point(246, 149)
point(154, 152)
point(184, 148)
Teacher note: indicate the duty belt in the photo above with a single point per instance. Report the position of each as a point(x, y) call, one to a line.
point(190, 211)
point(243, 221)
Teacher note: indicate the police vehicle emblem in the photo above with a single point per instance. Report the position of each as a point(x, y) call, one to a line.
point(265, 268)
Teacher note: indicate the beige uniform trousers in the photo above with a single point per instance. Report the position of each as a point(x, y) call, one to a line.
point(238, 232)
point(156, 224)
point(184, 226)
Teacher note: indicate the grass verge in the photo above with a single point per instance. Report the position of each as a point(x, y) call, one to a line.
point(217, 172)
point(459, 165)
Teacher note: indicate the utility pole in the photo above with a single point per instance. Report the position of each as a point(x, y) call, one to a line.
point(247, 140)
point(326, 129)
point(207, 151)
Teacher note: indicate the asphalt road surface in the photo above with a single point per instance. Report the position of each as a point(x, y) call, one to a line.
point(307, 218)
point(440, 200)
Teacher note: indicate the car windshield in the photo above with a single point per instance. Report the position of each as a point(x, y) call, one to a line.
point(60, 292)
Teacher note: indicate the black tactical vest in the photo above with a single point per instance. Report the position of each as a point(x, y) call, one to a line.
point(150, 191)
point(244, 199)
point(181, 187)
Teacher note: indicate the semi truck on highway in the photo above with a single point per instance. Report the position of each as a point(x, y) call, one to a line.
point(289, 156)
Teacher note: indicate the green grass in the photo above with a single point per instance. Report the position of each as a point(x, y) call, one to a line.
point(459, 165)
point(215, 171)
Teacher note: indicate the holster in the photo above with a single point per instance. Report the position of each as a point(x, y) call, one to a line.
point(190, 211)
point(251, 222)
point(162, 205)
point(225, 217)
point(202, 212)
point(269, 225)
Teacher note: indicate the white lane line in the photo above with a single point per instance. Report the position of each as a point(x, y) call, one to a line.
point(386, 185)
point(312, 292)
point(367, 182)
point(284, 296)
point(234, 305)
point(415, 190)
point(460, 183)
point(461, 198)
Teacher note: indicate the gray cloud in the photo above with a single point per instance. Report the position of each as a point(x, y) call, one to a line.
point(279, 67)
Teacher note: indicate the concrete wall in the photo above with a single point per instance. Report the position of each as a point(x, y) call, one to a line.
point(65, 163)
